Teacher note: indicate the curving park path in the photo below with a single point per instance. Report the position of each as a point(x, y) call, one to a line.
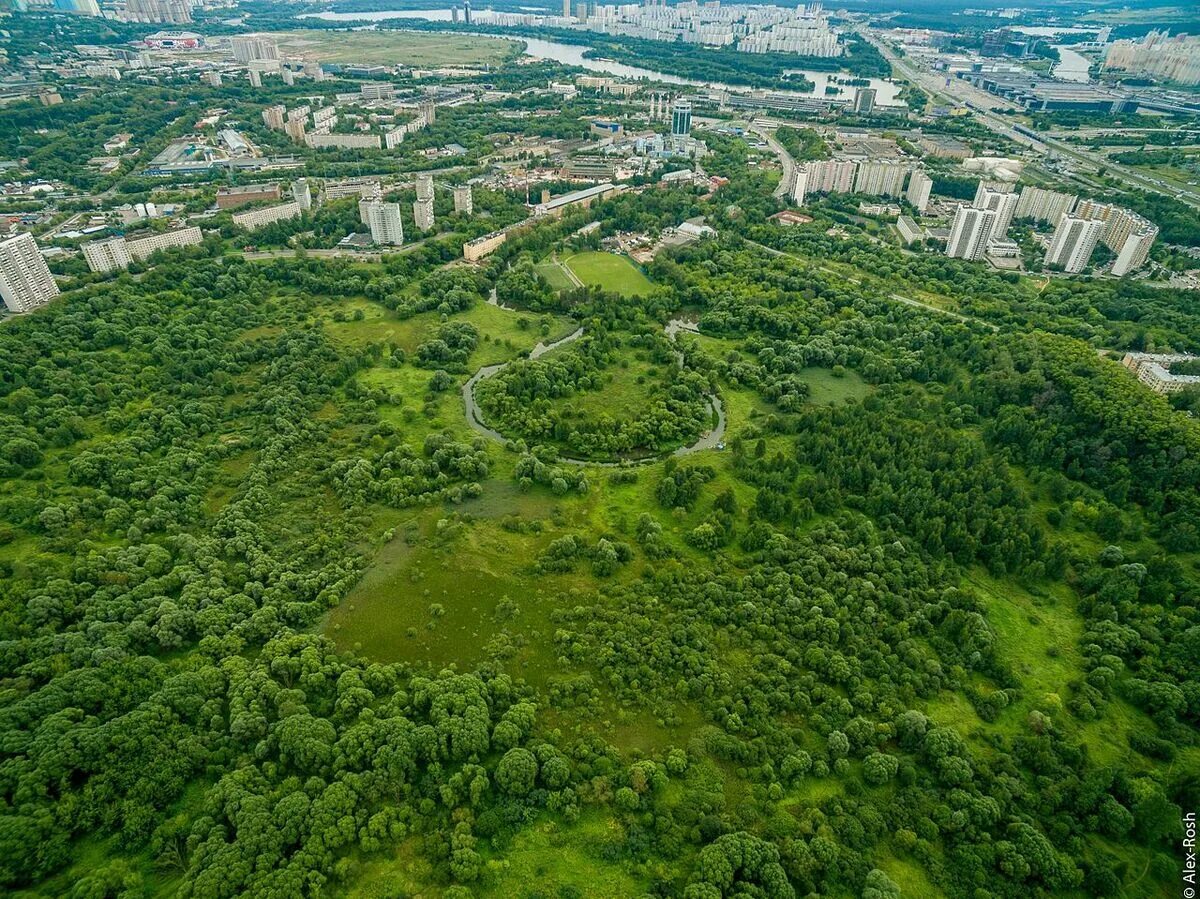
point(711, 440)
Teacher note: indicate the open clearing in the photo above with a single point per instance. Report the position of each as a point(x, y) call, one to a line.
point(397, 47)
point(609, 272)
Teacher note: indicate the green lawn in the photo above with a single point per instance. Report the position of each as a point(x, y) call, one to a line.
point(830, 389)
point(609, 271)
point(554, 274)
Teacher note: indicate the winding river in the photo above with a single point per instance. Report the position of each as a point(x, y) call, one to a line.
point(712, 440)
point(887, 92)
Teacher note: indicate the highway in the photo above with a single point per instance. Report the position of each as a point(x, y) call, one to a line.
point(785, 159)
point(935, 85)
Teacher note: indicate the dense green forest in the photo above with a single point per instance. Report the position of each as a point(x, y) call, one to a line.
point(274, 620)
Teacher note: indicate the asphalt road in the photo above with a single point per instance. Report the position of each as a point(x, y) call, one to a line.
point(935, 85)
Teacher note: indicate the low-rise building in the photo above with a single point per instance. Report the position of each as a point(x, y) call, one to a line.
point(233, 197)
point(474, 250)
point(1154, 370)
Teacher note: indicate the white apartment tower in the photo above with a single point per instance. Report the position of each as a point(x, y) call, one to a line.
point(384, 221)
point(108, 255)
point(880, 179)
point(25, 281)
point(799, 185)
point(1044, 205)
point(920, 186)
point(1073, 243)
point(423, 214)
point(464, 201)
point(249, 47)
point(831, 176)
point(1003, 204)
point(970, 233)
point(1134, 251)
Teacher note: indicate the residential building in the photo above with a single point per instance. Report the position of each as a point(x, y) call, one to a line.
point(988, 186)
point(394, 138)
point(1044, 205)
point(342, 141)
point(175, 12)
point(1154, 370)
point(1003, 204)
point(296, 130)
point(1157, 54)
point(831, 176)
point(799, 185)
point(424, 186)
point(258, 218)
point(145, 247)
point(428, 111)
point(273, 116)
point(25, 280)
point(474, 250)
point(910, 231)
point(108, 255)
point(384, 221)
point(247, 47)
point(423, 214)
point(233, 197)
point(970, 233)
point(880, 179)
point(1073, 242)
point(920, 186)
point(255, 78)
point(1134, 251)
point(213, 78)
point(302, 194)
point(464, 201)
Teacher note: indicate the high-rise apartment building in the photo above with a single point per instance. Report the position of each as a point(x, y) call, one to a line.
point(25, 279)
point(428, 111)
point(1134, 250)
point(831, 176)
point(880, 179)
point(970, 233)
point(920, 186)
point(424, 187)
point(1003, 204)
point(384, 221)
point(1073, 242)
point(995, 187)
point(423, 214)
point(273, 117)
point(1044, 205)
point(464, 200)
point(247, 47)
point(799, 185)
point(175, 12)
point(109, 255)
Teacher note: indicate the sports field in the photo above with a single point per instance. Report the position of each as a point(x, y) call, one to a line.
point(610, 272)
point(397, 48)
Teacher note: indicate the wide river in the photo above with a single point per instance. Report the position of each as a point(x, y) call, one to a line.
point(886, 92)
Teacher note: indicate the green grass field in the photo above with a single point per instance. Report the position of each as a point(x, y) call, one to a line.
point(398, 47)
point(610, 272)
point(553, 272)
point(830, 389)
